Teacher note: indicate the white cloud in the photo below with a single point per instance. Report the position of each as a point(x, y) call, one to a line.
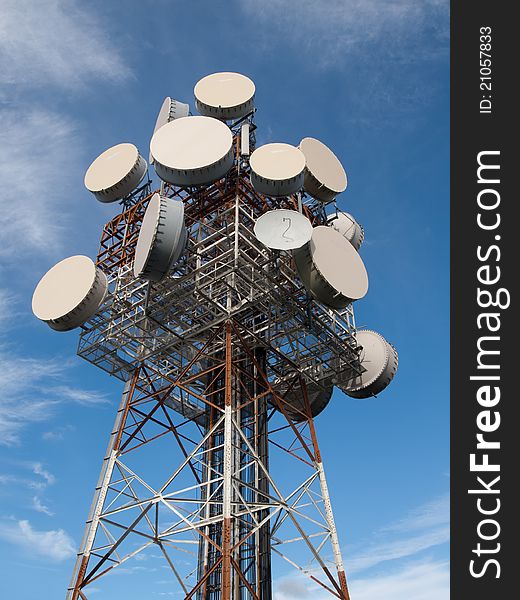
point(55, 42)
point(55, 545)
point(48, 45)
point(377, 553)
point(381, 52)
point(293, 588)
point(28, 395)
point(57, 434)
point(15, 480)
point(6, 305)
point(20, 374)
point(54, 435)
point(37, 150)
point(400, 552)
point(425, 581)
point(43, 480)
point(79, 396)
point(422, 528)
point(335, 30)
point(38, 506)
point(21, 402)
point(431, 514)
point(39, 470)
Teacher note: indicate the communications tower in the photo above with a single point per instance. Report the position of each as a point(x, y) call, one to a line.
point(222, 297)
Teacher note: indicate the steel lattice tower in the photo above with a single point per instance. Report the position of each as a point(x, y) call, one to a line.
point(218, 359)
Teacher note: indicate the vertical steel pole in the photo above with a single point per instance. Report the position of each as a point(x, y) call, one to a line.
point(263, 550)
point(228, 447)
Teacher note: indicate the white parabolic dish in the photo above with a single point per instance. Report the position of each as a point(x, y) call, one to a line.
point(331, 269)
point(349, 228)
point(192, 150)
point(277, 169)
point(115, 173)
point(224, 95)
point(283, 229)
point(69, 293)
point(325, 176)
point(318, 400)
point(170, 110)
point(162, 238)
point(380, 360)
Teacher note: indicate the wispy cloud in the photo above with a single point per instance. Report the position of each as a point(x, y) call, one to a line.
point(432, 514)
point(30, 394)
point(19, 373)
point(400, 551)
point(132, 570)
point(335, 31)
point(382, 53)
point(377, 553)
point(55, 42)
point(38, 506)
point(49, 45)
point(43, 479)
point(429, 580)
point(20, 402)
point(16, 480)
point(54, 545)
point(79, 396)
point(57, 434)
point(294, 587)
point(423, 528)
point(47, 476)
point(37, 147)
point(426, 580)
point(7, 300)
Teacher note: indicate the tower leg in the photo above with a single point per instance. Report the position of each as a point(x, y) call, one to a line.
point(338, 559)
point(333, 533)
point(218, 502)
point(244, 569)
point(74, 591)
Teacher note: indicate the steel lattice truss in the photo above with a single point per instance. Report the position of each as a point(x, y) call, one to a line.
point(226, 273)
point(210, 356)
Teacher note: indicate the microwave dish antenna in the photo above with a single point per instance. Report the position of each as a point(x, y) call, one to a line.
point(170, 109)
point(162, 238)
point(349, 228)
point(379, 359)
point(69, 293)
point(224, 95)
point(283, 229)
point(277, 169)
point(115, 173)
point(192, 150)
point(325, 176)
point(317, 396)
point(331, 269)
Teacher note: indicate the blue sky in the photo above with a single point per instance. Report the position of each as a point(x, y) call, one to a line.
point(369, 78)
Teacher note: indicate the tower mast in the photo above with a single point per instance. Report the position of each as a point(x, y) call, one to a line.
point(224, 300)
